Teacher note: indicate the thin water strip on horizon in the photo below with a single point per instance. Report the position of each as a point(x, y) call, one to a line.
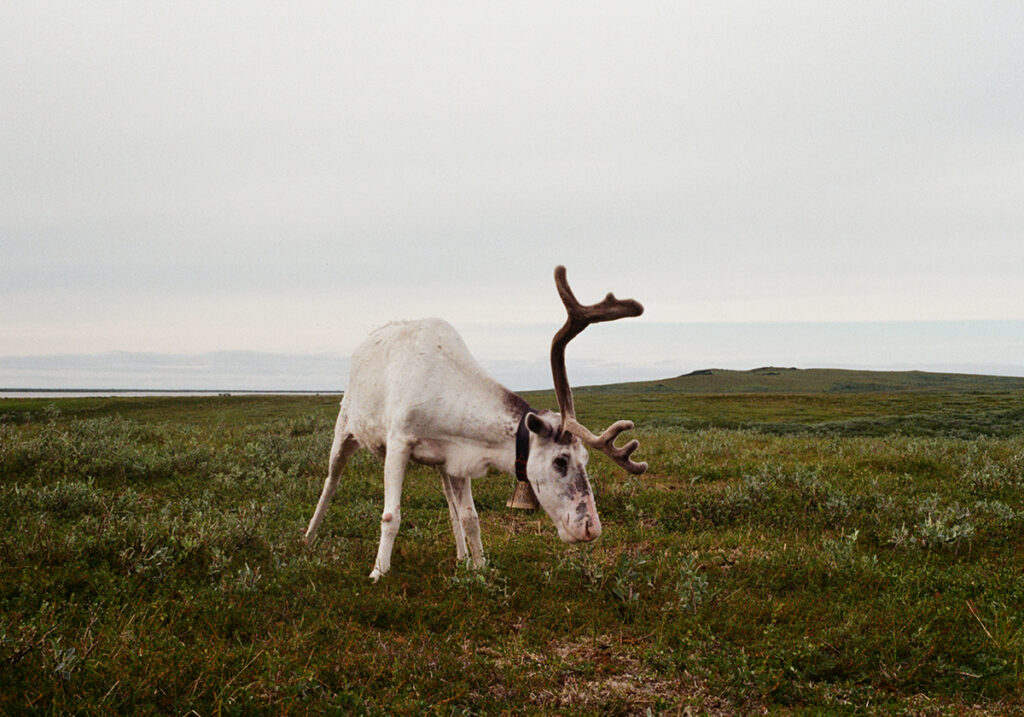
point(141, 393)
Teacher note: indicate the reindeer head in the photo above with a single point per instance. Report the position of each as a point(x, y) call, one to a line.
point(557, 464)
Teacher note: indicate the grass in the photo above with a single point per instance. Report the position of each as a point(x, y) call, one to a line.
point(842, 553)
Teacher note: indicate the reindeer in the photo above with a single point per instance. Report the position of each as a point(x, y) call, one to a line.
point(416, 393)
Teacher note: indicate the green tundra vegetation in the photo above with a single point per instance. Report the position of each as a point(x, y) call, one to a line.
point(802, 544)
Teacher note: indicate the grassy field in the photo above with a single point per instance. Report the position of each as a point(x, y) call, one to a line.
point(843, 551)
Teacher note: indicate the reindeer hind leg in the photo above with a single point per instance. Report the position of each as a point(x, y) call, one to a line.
point(342, 449)
point(395, 460)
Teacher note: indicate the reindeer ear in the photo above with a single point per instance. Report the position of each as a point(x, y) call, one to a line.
point(538, 425)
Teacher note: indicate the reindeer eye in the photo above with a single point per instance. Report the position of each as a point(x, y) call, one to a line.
point(561, 464)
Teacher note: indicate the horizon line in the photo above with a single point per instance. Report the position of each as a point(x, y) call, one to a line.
point(340, 392)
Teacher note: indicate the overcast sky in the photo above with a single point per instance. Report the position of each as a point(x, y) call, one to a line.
point(197, 176)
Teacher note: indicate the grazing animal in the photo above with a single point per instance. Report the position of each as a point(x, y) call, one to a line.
point(415, 393)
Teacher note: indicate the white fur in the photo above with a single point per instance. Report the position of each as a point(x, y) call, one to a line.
point(416, 393)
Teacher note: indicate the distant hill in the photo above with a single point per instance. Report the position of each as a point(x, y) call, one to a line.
point(771, 379)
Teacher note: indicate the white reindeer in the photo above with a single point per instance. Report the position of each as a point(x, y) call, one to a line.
point(415, 392)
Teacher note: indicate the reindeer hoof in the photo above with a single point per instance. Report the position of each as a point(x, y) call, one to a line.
point(375, 575)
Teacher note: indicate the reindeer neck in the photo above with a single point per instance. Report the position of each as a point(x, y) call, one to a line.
point(515, 409)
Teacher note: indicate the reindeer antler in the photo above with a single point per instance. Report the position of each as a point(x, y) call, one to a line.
point(579, 318)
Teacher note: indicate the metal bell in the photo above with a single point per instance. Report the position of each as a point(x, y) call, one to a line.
point(523, 497)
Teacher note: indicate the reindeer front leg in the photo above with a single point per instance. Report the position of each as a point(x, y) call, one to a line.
point(453, 511)
point(465, 519)
point(395, 461)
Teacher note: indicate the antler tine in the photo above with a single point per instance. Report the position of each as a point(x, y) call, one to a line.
point(578, 318)
point(606, 443)
point(582, 316)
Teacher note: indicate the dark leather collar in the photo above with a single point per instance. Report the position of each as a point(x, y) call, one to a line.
point(522, 445)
